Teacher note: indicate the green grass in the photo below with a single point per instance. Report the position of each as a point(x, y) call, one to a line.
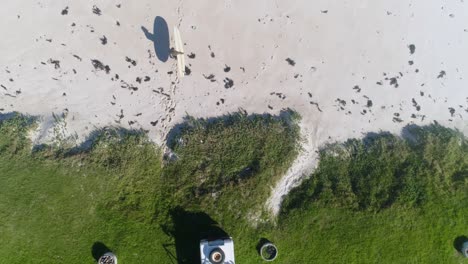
point(54, 209)
point(395, 235)
point(229, 163)
point(56, 203)
point(383, 200)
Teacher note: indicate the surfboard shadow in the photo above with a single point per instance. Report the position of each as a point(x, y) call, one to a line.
point(160, 38)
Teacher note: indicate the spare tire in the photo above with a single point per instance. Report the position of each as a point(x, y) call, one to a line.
point(217, 256)
point(464, 249)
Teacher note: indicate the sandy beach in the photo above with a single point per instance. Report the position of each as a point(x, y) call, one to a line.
point(347, 67)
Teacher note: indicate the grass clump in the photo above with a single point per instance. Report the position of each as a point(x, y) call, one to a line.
point(383, 198)
point(215, 158)
point(13, 133)
point(384, 170)
point(134, 162)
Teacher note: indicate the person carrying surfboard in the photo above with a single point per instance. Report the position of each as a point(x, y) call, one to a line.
point(173, 52)
point(178, 52)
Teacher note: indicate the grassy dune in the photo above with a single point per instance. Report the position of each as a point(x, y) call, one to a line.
point(384, 199)
point(56, 203)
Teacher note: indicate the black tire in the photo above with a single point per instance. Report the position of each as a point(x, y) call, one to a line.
point(464, 249)
point(217, 256)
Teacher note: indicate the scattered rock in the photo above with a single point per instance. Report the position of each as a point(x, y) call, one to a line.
point(452, 111)
point(65, 11)
point(212, 53)
point(78, 57)
point(396, 118)
point(210, 77)
point(98, 65)
point(228, 83)
point(357, 88)
point(55, 62)
point(416, 105)
point(316, 104)
point(394, 82)
point(96, 10)
point(227, 68)
point(103, 40)
point(132, 62)
point(188, 71)
point(191, 55)
point(412, 48)
point(291, 62)
point(441, 74)
point(126, 85)
point(341, 102)
point(280, 95)
point(121, 115)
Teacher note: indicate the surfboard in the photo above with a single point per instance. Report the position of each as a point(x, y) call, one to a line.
point(179, 46)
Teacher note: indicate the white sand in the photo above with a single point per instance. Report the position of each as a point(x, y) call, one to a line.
point(353, 43)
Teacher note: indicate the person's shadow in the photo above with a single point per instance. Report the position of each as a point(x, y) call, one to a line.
point(160, 38)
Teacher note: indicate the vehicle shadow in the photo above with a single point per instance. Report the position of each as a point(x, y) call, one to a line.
point(458, 242)
point(98, 249)
point(187, 229)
